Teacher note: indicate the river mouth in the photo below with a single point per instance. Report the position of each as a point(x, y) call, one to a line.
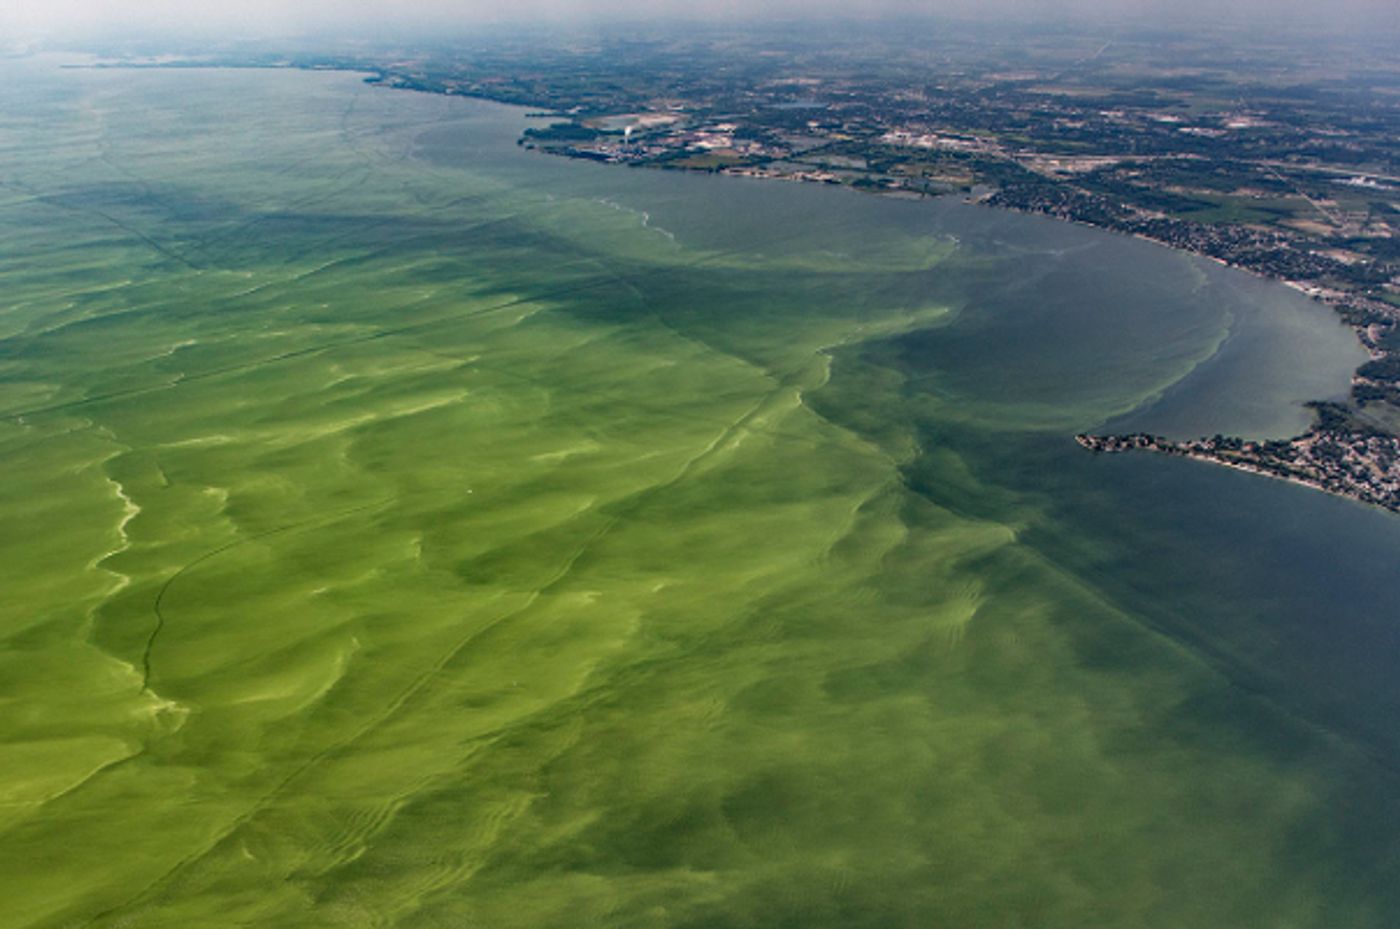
point(434, 531)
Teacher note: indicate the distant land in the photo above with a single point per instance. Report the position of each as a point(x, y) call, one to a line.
point(1280, 157)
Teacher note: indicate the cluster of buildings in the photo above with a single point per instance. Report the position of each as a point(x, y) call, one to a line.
point(1362, 466)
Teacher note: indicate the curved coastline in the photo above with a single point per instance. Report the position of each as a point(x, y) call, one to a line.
point(1338, 425)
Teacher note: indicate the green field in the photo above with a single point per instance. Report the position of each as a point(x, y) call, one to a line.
point(403, 529)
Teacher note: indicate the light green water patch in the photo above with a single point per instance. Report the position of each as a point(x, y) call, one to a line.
point(410, 541)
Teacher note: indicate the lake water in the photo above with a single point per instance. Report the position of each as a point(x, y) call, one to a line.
point(406, 529)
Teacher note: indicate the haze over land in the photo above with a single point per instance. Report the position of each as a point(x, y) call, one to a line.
point(89, 19)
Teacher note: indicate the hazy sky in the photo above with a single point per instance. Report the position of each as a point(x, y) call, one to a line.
point(30, 18)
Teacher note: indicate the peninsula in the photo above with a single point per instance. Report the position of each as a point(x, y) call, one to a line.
point(1361, 466)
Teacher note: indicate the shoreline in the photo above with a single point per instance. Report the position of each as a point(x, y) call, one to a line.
point(1371, 473)
point(1364, 469)
point(1338, 429)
